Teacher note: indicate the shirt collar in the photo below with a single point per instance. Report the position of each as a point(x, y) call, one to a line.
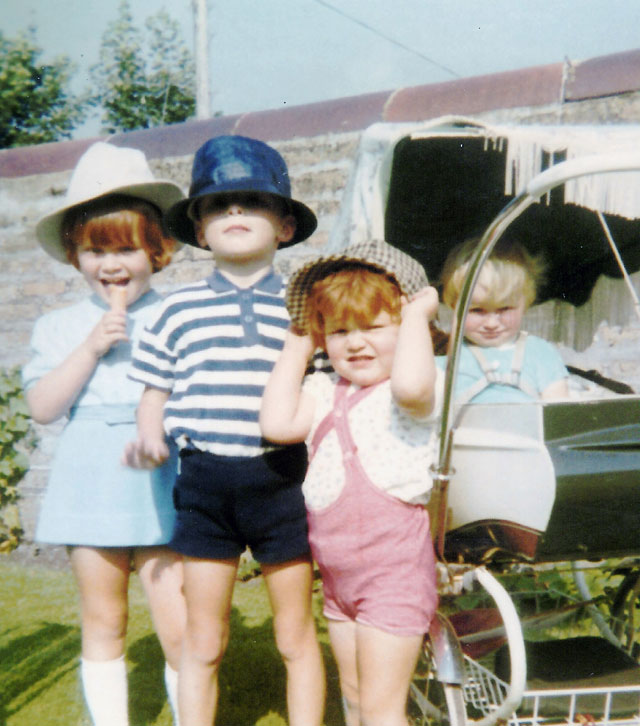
point(271, 282)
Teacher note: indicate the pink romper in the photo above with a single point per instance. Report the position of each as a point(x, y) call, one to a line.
point(374, 551)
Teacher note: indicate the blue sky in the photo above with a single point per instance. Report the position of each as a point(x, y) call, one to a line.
point(266, 54)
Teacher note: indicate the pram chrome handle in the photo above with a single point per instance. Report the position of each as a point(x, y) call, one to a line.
point(515, 643)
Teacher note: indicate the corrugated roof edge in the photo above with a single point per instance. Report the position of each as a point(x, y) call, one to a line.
point(540, 85)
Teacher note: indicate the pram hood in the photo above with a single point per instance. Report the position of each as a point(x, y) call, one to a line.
point(426, 187)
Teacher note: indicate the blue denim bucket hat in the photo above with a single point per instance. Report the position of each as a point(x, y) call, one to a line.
point(237, 163)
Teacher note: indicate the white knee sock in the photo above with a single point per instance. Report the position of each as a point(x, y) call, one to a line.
point(171, 684)
point(105, 691)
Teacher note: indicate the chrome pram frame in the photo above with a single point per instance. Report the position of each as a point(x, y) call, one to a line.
point(469, 687)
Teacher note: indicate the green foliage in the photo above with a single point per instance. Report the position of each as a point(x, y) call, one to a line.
point(534, 590)
point(16, 439)
point(143, 79)
point(37, 105)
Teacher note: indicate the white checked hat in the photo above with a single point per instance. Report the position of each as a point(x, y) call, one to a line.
point(101, 171)
point(374, 254)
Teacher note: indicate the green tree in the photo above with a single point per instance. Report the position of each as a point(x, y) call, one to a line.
point(36, 103)
point(143, 79)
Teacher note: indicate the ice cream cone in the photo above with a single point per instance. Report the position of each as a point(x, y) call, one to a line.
point(118, 298)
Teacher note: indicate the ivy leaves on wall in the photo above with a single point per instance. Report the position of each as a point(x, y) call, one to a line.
point(17, 439)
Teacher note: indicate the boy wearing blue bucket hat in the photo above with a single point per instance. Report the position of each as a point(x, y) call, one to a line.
point(205, 360)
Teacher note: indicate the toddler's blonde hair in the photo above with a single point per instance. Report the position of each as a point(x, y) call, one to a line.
point(510, 271)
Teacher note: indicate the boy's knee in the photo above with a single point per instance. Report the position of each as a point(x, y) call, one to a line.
point(208, 648)
point(290, 649)
point(295, 641)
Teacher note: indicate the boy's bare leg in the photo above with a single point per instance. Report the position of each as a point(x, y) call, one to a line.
point(289, 586)
point(208, 586)
point(160, 571)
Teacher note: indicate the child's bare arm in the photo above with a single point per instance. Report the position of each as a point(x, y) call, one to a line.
point(54, 394)
point(150, 448)
point(286, 413)
point(413, 374)
point(554, 391)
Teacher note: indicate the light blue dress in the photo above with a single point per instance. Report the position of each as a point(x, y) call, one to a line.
point(91, 498)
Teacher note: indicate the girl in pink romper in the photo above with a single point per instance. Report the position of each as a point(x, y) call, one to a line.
point(370, 431)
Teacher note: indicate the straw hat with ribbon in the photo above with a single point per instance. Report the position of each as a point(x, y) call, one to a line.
point(105, 170)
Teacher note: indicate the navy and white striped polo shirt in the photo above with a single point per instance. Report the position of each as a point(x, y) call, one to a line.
point(212, 346)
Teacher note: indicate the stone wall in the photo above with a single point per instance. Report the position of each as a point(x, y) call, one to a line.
point(31, 283)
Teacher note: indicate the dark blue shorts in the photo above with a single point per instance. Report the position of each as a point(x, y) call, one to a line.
point(226, 503)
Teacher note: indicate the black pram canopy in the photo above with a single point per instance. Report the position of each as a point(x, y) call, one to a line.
point(428, 187)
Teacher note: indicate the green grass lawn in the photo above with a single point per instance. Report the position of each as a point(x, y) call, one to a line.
point(40, 648)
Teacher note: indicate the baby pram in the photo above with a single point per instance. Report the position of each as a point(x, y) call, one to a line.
point(524, 492)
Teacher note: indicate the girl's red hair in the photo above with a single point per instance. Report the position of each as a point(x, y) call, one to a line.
point(117, 222)
point(355, 294)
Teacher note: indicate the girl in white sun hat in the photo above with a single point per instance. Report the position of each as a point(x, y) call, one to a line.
point(112, 519)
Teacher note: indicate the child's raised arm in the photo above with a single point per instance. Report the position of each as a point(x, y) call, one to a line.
point(413, 374)
point(54, 394)
point(286, 413)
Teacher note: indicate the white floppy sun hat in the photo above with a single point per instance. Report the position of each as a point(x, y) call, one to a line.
point(104, 170)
